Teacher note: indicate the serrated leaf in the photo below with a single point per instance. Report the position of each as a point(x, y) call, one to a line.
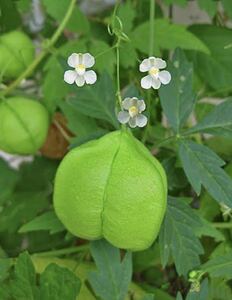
point(207, 229)
point(166, 36)
point(47, 221)
point(177, 236)
point(202, 294)
point(220, 266)
point(59, 283)
point(23, 286)
point(97, 101)
point(78, 21)
point(178, 98)
point(219, 289)
point(203, 167)
point(217, 122)
point(113, 277)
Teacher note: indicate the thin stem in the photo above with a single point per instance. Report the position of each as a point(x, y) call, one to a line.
point(222, 225)
point(105, 51)
point(151, 50)
point(151, 29)
point(62, 131)
point(43, 53)
point(63, 251)
point(119, 97)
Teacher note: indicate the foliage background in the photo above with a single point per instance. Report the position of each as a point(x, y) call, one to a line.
point(190, 132)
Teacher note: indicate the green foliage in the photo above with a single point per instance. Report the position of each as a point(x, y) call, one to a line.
point(166, 36)
point(54, 283)
point(178, 233)
point(9, 16)
point(203, 167)
point(178, 98)
point(113, 276)
point(217, 122)
point(97, 101)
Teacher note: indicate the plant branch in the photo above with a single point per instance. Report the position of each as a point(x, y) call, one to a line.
point(43, 53)
point(64, 251)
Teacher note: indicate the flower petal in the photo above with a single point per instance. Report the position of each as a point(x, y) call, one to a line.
point(73, 60)
point(127, 103)
point(141, 120)
point(70, 76)
point(90, 77)
point(132, 122)
point(164, 77)
point(141, 105)
point(123, 117)
point(146, 82)
point(145, 65)
point(80, 80)
point(88, 60)
point(156, 83)
point(160, 63)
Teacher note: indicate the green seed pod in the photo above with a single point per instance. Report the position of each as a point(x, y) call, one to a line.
point(16, 53)
point(23, 125)
point(112, 188)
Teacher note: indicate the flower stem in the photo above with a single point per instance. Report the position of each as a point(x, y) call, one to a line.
point(224, 225)
point(151, 29)
point(43, 53)
point(151, 50)
point(119, 97)
point(64, 251)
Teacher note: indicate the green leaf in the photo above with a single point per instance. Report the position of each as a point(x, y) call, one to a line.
point(209, 6)
point(178, 98)
point(47, 221)
point(148, 297)
point(214, 69)
point(217, 122)
point(78, 21)
point(179, 296)
point(128, 55)
point(113, 277)
point(219, 289)
point(178, 2)
point(203, 167)
point(127, 13)
point(202, 294)
point(97, 101)
point(59, 283)
point(220, 266)
point(9, 16)
point(177, 232)
point(8, 180)
point(166, 36)
point(23, 286)
point(106, 61)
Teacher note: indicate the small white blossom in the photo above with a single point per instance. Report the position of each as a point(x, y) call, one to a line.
point(80, 62)
point(132, 108)
point(155, 77)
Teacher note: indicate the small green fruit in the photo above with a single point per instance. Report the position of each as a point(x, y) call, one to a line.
point(16, 53)
point(112, 188)
point(23, 125)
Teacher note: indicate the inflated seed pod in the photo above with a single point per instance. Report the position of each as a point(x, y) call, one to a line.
point(112, 188)
point(16, 53)
point(23, 125)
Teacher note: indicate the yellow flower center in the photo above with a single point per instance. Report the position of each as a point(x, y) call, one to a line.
point(80, 68)
point(153, 71)
point(133, 111)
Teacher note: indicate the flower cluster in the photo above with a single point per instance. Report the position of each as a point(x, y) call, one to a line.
point(132, 108)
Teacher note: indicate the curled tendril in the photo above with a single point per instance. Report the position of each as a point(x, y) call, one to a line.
point(195, 279)
point(115, 27)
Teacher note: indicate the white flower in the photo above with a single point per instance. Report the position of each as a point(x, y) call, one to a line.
point(132, 112)
point(80, 62)
point(155, 77)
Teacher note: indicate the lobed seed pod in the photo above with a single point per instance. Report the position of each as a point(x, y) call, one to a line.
point(16, 53)
point(112, 188)
point(23, 125)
